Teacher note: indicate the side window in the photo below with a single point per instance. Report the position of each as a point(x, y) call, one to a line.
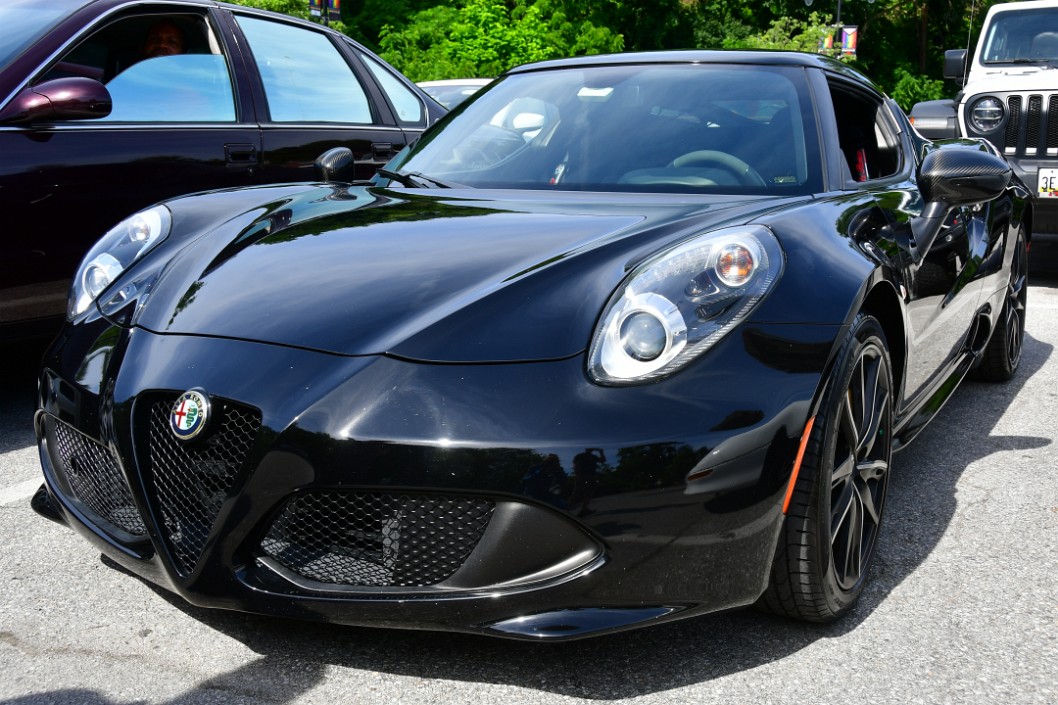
point(866, 134)
point(409, 107)
point(305, 78)
point(157, 68)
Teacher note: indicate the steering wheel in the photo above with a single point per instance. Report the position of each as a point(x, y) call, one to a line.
point(743, 172)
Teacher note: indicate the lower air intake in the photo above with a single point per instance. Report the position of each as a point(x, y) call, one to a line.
point(89, 474)
point(368, 539)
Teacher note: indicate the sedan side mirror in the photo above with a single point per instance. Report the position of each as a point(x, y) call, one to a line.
point(955, 174)
point(59, 99)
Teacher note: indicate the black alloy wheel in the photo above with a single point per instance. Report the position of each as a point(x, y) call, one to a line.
point(831, 530)
point(1001, 357)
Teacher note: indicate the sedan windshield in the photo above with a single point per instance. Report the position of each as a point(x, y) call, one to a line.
point(25, 21)
point(699, 128)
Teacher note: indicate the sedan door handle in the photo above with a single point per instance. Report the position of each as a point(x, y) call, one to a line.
point(240, 154)
point(382, 150)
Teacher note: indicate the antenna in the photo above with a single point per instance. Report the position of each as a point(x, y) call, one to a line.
point(969, 33)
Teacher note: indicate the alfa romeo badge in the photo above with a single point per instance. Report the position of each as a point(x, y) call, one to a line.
point(190, 414)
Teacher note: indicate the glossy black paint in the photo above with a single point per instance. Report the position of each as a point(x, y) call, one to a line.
point(66, 177)
point(407, 340)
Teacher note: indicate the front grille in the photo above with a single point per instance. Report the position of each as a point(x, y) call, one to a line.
point(191, 480)
point(1032, 125)
point(90, 475)
point(369, 539)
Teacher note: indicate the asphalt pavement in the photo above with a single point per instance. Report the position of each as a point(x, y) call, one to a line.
point(962, 606)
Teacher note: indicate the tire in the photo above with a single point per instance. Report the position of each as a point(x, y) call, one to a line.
point(1002, 355)
point(828, 539)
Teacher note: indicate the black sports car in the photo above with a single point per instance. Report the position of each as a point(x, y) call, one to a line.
point(624, 339)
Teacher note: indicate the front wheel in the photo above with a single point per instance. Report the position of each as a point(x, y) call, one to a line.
point(828, 540)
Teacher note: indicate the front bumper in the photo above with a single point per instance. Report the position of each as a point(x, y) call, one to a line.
point(1044, 209)
point(373, 491)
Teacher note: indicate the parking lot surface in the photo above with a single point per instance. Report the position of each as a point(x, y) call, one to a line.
point(962, 606)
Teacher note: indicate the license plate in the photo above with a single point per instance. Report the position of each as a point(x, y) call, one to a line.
point(1048, 183)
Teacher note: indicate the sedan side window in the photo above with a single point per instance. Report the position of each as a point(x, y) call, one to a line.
point(305, 78)
point(409, 107)
point(185, 88)
point(157, 68)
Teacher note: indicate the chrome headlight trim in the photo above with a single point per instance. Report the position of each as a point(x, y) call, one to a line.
point(987, 114)
point(689, 290)
point(125, 243)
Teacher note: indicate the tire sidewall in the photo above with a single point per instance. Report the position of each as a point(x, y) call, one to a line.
point(866, 332)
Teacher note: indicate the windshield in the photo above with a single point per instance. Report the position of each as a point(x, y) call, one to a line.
point(1022, 36)
point(672, 128)
point(25, 21)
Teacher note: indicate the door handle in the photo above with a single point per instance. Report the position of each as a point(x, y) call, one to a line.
point(240, 154)
point(382, 150)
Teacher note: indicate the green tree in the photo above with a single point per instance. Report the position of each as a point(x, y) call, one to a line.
point(912, 88)
point(487, 37)
point(788, 34)
point(364, 19)
point(294, 8)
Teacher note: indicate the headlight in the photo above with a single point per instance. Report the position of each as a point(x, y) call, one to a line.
point(123, 244)
point(986, 114)
point(678, 304)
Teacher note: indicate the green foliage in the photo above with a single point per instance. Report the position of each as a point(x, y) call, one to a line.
point(294, 8)
point(487, 37)
point(364, 19)
point(912, 88)
point(719, 24)
point(788, 34)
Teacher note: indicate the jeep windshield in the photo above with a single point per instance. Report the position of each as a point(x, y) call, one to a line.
point(1022, 37)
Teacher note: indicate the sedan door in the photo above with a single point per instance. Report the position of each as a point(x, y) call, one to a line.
point(315, 93)
point(176, 126)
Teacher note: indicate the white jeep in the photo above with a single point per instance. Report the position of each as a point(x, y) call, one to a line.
point(1009, 97)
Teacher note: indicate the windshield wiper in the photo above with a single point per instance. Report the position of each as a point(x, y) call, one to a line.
point(413, 179)
point(1024, 60)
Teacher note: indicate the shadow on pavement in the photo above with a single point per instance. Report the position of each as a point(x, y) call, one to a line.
point(1043, 260)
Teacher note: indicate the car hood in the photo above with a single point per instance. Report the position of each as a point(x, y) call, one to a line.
point(1009, 79)
point(447, 275)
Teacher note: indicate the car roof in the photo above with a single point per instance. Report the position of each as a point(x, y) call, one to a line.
point(704, 56)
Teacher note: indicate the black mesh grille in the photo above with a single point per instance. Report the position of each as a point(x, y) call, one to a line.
point(94, 479)
point(1052, 122)
point(1013, 121)
point(191, 480)
point(1032, 124)
point(377, 539)
point(1032, 132)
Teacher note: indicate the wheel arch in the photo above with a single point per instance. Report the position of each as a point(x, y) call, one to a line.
point(883, 302)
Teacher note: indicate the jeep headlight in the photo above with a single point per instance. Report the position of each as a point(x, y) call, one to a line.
point(123, 244)
point(678, 304)
point(986, 114)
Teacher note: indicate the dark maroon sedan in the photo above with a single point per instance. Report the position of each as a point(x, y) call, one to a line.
point(108, 106)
